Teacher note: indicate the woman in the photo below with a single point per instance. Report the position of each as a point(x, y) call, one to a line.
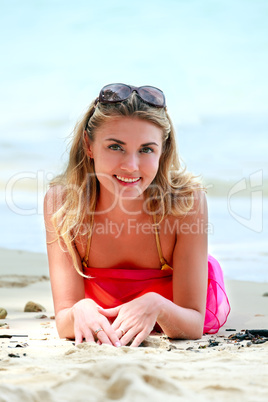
point(127, 229)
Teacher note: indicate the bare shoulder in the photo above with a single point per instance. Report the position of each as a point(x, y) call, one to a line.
point(199, 208)
point(195, 221)
point(192, 222)
point(54, 199)
point(200, 201)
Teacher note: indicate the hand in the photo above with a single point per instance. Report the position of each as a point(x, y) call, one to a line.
point(87, 320)
point(135, 319)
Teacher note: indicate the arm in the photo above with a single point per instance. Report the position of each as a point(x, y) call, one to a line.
point(184, 318)
point(76, 317)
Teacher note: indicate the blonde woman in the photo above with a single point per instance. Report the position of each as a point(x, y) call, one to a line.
point(127, 229)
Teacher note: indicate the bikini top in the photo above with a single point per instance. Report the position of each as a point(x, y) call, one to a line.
point(163, 262)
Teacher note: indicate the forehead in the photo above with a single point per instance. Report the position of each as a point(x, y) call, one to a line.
point(128, 128)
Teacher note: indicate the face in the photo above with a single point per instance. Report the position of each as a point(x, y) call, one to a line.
point(126, 153)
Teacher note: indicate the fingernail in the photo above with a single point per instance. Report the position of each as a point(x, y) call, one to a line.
point(118, 344)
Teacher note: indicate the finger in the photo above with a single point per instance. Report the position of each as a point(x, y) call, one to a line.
point(88, 336)
point(113, 336)
point(117, 323)
point(128, 336)
point(109, 312)
point(120, 332)
point(139, 339)
point(103, 338)
point(78, 337)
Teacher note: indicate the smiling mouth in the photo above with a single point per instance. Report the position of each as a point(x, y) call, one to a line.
point(128, 179)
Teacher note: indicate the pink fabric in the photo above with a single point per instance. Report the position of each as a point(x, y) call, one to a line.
point(111, 287)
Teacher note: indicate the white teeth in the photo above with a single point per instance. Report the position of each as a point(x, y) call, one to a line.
point(127, 180)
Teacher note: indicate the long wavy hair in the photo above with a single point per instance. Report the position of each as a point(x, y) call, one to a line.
point(170, 193)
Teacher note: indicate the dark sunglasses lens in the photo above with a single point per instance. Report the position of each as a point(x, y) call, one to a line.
point(152, 95)
point(115, 93)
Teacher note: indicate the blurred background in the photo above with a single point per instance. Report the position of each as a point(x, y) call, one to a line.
point(209, 57)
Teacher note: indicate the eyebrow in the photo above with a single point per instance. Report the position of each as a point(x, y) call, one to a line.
point(123, 143)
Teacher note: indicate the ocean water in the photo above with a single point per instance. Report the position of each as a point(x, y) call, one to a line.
point(210, 58)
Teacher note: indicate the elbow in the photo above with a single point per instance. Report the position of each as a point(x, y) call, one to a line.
point(197, 328)
point(191, 330)
point(191, 335)
point(197, 334)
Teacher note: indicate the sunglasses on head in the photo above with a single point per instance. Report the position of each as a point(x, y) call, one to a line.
point(113, 93)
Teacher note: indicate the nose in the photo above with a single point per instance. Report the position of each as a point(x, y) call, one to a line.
point(130, 163)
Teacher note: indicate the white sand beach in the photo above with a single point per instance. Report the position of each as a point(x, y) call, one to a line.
point(36, 365)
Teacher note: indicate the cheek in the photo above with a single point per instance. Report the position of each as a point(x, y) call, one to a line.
point(105, 162)
point(151, 165)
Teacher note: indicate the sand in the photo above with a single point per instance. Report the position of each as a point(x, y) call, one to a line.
point(38, 366)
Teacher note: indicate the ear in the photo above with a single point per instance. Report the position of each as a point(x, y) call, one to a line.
point(87, 145)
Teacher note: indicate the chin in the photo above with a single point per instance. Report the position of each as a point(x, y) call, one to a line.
point(131, 193)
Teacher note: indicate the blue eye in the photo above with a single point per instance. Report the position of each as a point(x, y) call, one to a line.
point(115, 147)
point(146, 150)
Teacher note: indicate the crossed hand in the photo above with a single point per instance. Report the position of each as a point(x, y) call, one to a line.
point(133, 321)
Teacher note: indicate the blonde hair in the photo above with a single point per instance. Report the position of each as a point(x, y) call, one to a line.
point(171, 192)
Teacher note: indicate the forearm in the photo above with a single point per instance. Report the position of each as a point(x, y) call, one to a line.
point(179, 322)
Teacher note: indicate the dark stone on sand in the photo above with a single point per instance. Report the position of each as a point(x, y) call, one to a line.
point(265, 294)
point(41, 316)
point(3, 313)
point(256, 336)
point(171, 347)
point(32, 307)
point(212, 342)
point(258, 332)
point(13, 355)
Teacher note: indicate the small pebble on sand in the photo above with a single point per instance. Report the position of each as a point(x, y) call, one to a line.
point(33, 307)
point(3, 313)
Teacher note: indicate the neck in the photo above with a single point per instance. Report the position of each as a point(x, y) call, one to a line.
point(119, 208)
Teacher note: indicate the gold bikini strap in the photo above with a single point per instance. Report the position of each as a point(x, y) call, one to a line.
point(164, 264)
point(85, 259)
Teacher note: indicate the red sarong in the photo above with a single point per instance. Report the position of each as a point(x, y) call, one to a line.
point(111, 287)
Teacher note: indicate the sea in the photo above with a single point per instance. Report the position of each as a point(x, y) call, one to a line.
point(209, 57)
